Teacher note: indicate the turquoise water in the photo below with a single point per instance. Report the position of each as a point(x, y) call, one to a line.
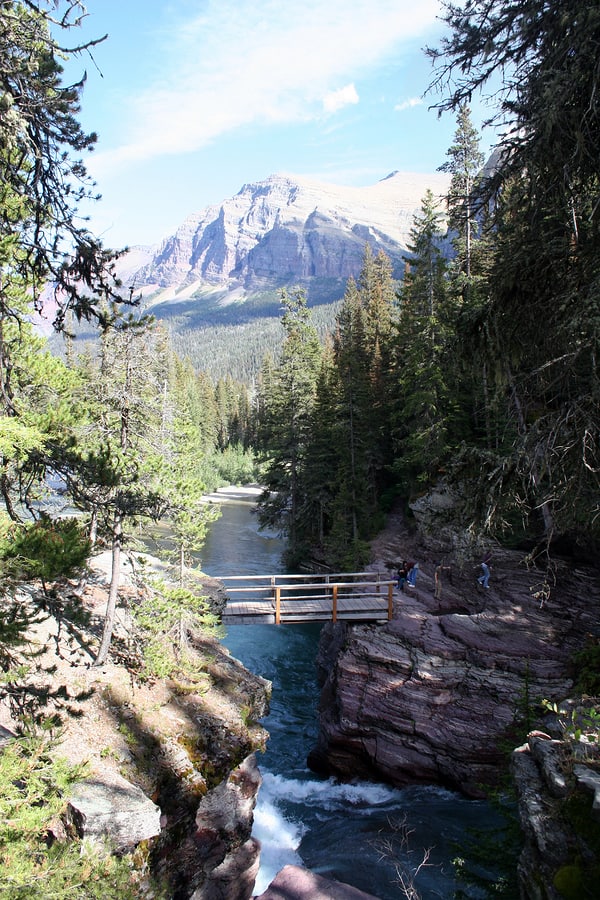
point(350, 832)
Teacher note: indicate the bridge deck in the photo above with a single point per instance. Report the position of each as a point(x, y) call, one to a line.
point(296, 598)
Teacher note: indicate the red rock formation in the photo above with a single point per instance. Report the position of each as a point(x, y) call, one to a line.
point(294, 883)
point(439, 695)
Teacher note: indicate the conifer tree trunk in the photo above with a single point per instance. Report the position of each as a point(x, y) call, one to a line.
point(113, 593)
point(535, 471)
point(486, 404)
point(117, 528)
point(93, 530)
point(181, 564)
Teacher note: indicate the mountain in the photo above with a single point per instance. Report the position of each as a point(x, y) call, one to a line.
point(285, 230)
point(226, 265)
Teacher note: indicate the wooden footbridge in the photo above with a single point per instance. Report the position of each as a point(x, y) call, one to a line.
point(280, 599)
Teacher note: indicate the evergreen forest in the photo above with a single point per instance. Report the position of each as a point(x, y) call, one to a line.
point(478, 372)
point(98, 444)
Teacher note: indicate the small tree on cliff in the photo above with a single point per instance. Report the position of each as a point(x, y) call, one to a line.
point(108, 458)
point(179, 465)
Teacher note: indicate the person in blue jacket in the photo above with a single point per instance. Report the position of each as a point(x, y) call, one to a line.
point(412, 575)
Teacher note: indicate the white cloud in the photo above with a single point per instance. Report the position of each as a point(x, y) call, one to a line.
point(408, 104)
point(336, 100)
point(243, 62)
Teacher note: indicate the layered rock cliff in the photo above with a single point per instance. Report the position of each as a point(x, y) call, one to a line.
point(445, 690)
point(436, 695)
point(283, 230)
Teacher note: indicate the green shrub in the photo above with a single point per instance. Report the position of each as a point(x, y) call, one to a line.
point(47, 549)
point(166, 616)
point(569, 882)
point(34, 787)
point(576, 881)
point(233, 465)
point(587, 675)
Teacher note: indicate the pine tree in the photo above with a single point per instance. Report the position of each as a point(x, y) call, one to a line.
point(197, 394)
point(464, 164)
point(233, 413)
point(181, 483)
point(540, 322)
point(381, 307)
point(283, 429)
point(315, 514)
point(423, 403)
point(168, 614)
point(362, 353)
point(42, 179)
point(36, 390)
point(354, 485)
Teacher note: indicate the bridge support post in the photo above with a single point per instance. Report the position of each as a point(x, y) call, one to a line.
point(334, 603)
point(278, 605)
point(390, 602)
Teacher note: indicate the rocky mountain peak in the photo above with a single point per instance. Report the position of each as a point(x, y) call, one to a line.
point(286, 229)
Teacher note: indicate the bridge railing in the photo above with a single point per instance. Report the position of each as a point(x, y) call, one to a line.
point(287, 593)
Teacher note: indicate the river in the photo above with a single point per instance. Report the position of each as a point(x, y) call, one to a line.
point(367, 835)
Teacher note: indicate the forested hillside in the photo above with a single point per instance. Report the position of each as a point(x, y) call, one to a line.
point(236, 341)
point(479, 373)
point(120, 431)
point(482, 371)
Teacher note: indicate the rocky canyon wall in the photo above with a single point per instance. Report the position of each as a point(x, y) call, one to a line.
point(437, 694)
point(443, 692)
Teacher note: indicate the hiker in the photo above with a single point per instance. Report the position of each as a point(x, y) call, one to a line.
point(439, 570)
point(412, 574)
point(485, 570)
point(402, 575)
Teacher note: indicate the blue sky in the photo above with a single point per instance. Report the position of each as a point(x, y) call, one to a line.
point(191, 99)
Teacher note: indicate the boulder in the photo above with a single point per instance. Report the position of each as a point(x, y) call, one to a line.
point(295, 883)
point(113, 810)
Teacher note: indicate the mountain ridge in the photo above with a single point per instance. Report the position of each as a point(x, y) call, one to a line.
point(216, 282)
point(282, 230)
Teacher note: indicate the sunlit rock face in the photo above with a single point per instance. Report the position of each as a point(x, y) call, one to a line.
point(287, 229)
point(554, 776)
